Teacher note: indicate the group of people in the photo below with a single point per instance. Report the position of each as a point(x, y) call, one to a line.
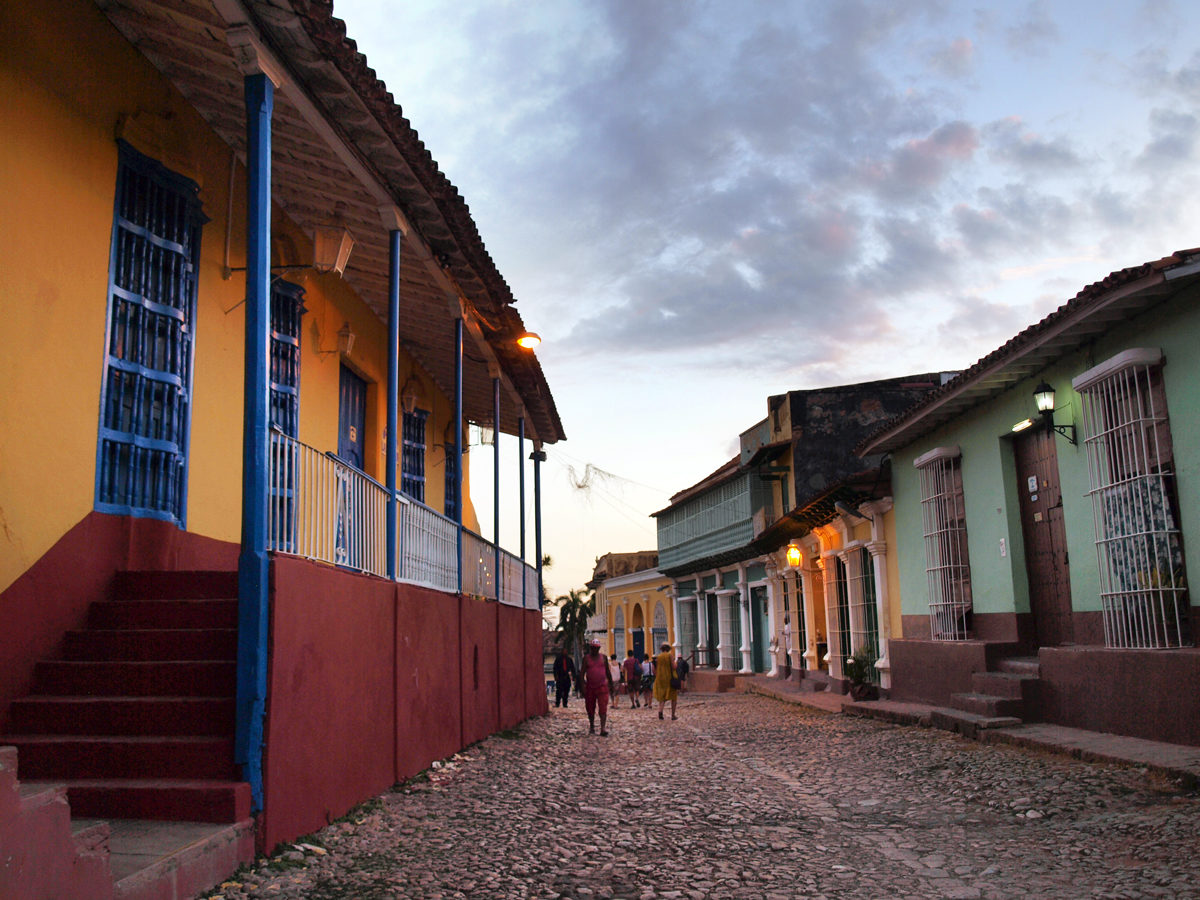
point(644, 681)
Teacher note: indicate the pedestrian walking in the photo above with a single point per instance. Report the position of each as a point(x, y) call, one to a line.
point(564, 675)
point(614, 679)
point(681, 669)
point(647, 681)
point(633, 678)
point(597, 684)
point(666, 682)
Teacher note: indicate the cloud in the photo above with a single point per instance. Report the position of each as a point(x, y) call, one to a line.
point(1009, 141)
point(1035, 33)
point(918, 166)
point(956, 59)
point(1173, 141)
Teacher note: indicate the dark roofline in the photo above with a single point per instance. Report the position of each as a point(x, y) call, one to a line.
point(1094, 310)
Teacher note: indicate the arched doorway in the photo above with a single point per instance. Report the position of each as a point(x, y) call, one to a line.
point(637, 625)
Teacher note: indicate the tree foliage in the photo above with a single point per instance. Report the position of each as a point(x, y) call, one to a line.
point(574, 609)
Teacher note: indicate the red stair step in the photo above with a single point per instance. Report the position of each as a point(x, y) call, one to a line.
point(56, 757)
point(152, 644)
point(97, 678)
point(123, 715)
point(144, 614)
point(159, 798)
point(197, 585)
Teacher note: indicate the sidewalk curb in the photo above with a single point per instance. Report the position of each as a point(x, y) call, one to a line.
point(1178, 762)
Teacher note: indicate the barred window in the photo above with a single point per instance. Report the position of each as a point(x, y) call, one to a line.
point(839, 637)
point(145, 406)
point(412, 478)
point(619, 633)
point(1131, 474)
point(944, 522)
point(864, 613)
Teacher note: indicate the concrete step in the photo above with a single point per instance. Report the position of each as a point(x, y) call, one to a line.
point(70, 756)
point(988, 705)
point(1005, 684)
point(152, 859)
point(152, 644)
point(1020, 665)
point(170, 585)
point(143, 614)
point(159, 798)
point(966, 723)
point(122, 715)
point(136, 678)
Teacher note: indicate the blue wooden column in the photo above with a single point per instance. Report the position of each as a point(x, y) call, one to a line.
point(393, 396)
point(521, 478)
point(538, 456)
point(496, 481)
point(253, 571)
point(458, 438)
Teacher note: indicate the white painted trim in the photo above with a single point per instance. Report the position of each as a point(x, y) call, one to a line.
point(1126, 359)
point(935, 454)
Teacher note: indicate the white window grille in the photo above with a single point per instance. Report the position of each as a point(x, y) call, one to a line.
point(1131, 474)
point(944, 520)
point(731, 632)
point(659, 632)
point(864, 614)
point(619, 633)
point(799, 625)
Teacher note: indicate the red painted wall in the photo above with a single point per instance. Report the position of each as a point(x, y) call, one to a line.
point(428, 679)
point(330, 703)
point(512, 662)
point(536, 702)
point(54, 594)
point(480, 702)
point(371, 682)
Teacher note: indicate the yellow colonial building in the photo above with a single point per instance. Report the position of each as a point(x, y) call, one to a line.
point(635, 604)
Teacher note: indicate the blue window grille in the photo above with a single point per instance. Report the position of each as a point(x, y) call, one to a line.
point(287, 311)
point(412, 463)
point(145, 403)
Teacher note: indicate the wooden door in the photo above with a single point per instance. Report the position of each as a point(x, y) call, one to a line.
point(1045, 537)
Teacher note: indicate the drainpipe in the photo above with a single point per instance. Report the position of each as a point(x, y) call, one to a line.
point(253, 565)
point(538, 456)
point(458, 438)
point(393, 394)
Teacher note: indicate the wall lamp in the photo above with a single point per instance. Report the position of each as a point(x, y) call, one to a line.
point(409, 396)
point(794, 554)
point(1043, 396)
point(345, 341)
point(528, 340)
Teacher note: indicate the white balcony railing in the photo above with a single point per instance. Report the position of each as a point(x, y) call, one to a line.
point(323, 509)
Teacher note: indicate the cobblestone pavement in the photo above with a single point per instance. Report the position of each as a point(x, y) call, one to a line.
point(744, 797)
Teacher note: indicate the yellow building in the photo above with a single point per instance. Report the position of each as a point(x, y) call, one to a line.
point(247, 323)
point(635, 604)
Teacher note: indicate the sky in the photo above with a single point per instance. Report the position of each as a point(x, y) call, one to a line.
point(701, 204)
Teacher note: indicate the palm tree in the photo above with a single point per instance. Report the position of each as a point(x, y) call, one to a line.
point(574, 609)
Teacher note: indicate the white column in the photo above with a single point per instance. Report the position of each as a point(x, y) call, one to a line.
point(723, 627)
point(775, 619)
point(831, 623)
point(701, 623)
point(674, 620)
point(743, 605)
point(805, 582)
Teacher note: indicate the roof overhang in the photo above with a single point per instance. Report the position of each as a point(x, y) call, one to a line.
point(1091, 313)
point(340, 144)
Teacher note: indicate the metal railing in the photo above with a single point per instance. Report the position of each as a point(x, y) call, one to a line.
point(323, 509)
point(428, 547)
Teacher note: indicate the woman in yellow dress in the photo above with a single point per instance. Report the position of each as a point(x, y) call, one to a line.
point(664, 672)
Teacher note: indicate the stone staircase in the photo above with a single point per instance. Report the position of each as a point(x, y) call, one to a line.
point(132, 729)
point(1005, 696)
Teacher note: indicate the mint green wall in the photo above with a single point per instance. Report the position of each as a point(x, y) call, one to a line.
point(990, 482)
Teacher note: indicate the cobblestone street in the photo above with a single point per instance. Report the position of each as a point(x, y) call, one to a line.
point(744, 797)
